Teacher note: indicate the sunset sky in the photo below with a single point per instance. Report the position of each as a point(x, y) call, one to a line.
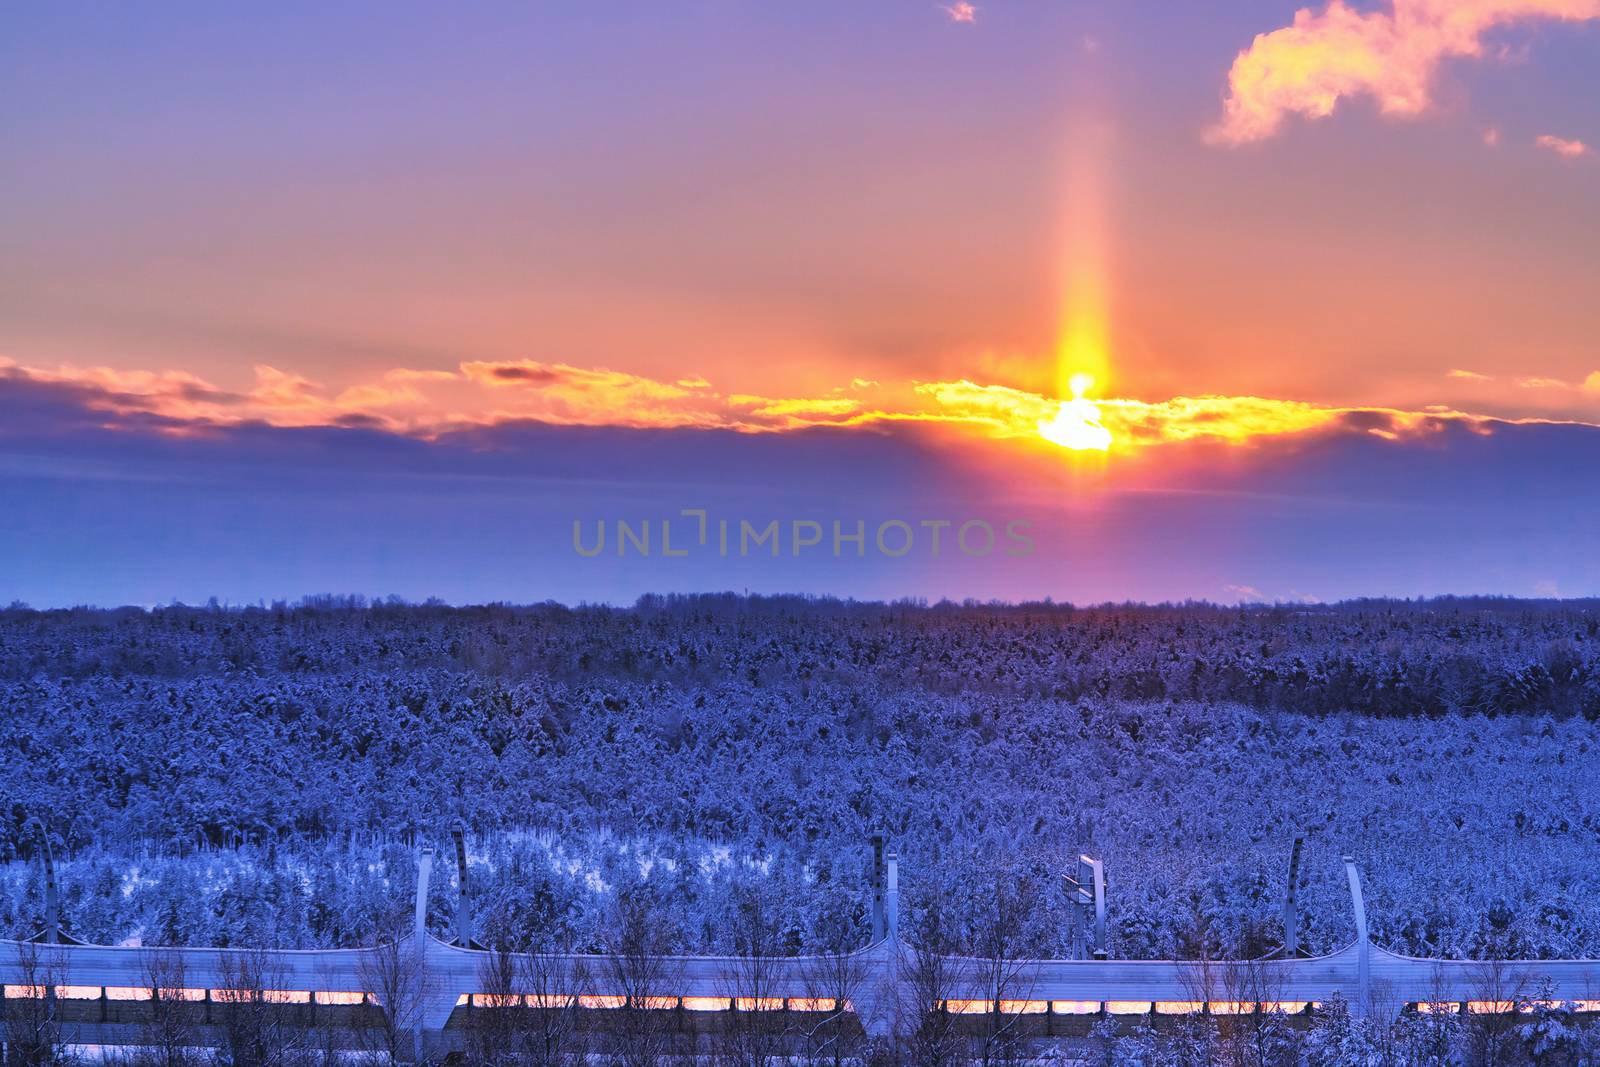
point(381, 298)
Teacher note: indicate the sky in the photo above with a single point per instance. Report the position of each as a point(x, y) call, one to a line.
point(1236, 301)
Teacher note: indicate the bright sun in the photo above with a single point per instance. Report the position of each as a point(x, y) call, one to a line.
point(1077, 422)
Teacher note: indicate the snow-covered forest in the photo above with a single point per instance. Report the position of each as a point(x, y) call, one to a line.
point(264, 775)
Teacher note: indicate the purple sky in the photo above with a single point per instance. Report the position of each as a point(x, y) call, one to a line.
point(382, 298)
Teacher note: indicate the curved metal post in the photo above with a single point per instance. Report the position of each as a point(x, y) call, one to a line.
point(463, 901)
point(52, 902)
point(1363, 946)
point(420, 946)
point(891, 899)
point(1291, 918)
point(876, 875)
point(1098, 871)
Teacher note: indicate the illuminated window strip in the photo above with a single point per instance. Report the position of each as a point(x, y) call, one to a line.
point(690, 1003)
point(706, 1003)
point(1128, 1007)
point(968, 1007)
point(601, 1002)
point(1533, 1005)
point(193, 996)
point(1489, 1007)
point(134, 992)
point(1085, 1007)
point(758, 1003)
point(1024, 1007)
point(551, 1000)
point(497, 1000)
point(815, 1004)
point(77, 992)
point(145, 994)
point(190, 995)
point(797, 1004)
point(60, 992)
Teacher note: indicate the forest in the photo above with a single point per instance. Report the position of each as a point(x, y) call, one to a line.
point(265, 775)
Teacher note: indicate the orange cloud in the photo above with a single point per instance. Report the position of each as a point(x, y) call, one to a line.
point(1561, 146)
point(561, 393)
point(961, 11)
point(1005, 412)
point(432, 402)
point(797, 411)
point(1306, 68)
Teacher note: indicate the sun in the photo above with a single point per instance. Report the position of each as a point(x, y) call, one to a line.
point(1077, 424)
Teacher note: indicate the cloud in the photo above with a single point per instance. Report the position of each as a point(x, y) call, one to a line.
point(594, 396)
point(1325, 56)
point(1561, 146)
point(1468, 375)
point(1007, 412)
point(960, 11)
point(432, 404)
point(797, 411)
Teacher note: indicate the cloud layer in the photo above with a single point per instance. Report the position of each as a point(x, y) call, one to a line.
point(1393, 56)
point(112, 515)
point(429, 404)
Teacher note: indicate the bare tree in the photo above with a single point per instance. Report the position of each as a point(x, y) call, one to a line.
point(329, 1030)
point(392, 973)
point(553, 983)
point(753, 1031)
point(1498, 990)
point(934, 975)
point(1253, 1030)
point(830, 1032)
point(1433, 1036)
point(640, 972)
point(258, 1027)
point(1001, 971)
point(170, 1034)
point(494, 1030)
point(32, 1022)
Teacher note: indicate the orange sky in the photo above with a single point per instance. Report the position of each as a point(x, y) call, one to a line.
point(1241, 224)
